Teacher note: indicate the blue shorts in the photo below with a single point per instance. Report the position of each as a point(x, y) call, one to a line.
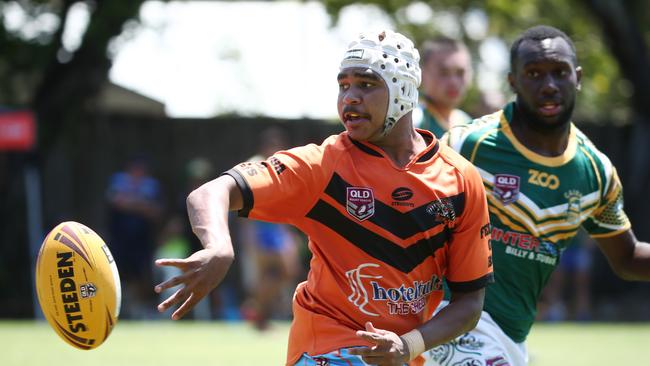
point(336, 358)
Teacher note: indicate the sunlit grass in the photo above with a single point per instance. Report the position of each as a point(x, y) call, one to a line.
point(157, 343)
point(147, 344)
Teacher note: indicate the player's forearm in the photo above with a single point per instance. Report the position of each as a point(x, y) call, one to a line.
point(637, 268)
point(207, 208)
point(628, 257)
point(459, 317)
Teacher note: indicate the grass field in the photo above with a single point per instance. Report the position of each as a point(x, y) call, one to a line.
point(237, 344)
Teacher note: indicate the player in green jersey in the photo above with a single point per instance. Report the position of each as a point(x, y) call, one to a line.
point(446, 74)
point(544, 180)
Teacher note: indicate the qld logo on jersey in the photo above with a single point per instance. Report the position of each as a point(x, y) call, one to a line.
point(360, 202)
point(506, 188)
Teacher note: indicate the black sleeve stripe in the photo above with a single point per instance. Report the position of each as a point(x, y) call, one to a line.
point(470, 286)
point(246, 192)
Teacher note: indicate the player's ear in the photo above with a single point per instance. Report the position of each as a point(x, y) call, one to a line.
point(511, 82)
point(578, 77)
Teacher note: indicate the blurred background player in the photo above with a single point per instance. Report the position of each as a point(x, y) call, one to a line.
point(271, 262)
point(446, 75)
point(545, 181)
point(134, 201)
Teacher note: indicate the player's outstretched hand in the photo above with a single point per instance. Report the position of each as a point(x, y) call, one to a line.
point(202, 272)
point(389, 350)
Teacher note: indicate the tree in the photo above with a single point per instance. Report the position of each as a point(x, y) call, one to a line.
point(46, 76)
point(611, 38)
point(38, 72)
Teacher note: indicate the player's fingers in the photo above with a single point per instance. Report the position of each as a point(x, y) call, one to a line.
point(375, 338)
point(174, 299)
point(371, 328)
point(382, 360)
point(359, 351)
point(366, 335)
point(373, 356)
point(187, 306)
point(376, 359)
point(172, 282)
point(174, 262)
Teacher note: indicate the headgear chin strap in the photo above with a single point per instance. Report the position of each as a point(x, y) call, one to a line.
point(397, 61)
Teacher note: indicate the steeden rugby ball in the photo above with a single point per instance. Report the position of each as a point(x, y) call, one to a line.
point(78, 285)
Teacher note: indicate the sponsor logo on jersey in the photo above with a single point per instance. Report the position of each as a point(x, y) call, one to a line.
point(401, 194)
point(543, 179)
point(356, 279)
point(403, 300)
point(506, 188)
point(526, 246)
point(360, 202)
point(321, 361)
point(443, 210)
point(485, 230)
point(277, 165)
point(573, 209)
point(248, 168)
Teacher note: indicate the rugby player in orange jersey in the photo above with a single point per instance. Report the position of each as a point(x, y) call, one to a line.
point(389, 213)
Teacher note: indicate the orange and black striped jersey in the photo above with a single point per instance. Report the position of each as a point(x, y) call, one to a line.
point(382, 237)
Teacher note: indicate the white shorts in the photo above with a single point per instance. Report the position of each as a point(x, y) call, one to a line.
point(485, 345)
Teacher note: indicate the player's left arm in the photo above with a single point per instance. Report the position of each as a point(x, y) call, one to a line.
point(460, 316)
point(628, 257)
point(610, 227)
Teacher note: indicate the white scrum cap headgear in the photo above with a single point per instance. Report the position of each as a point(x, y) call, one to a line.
point(397, 61)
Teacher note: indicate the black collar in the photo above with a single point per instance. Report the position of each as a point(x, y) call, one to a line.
point(427, 138)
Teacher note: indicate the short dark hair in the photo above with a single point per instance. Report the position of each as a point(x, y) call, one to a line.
point(538, 33)
point(439, 44)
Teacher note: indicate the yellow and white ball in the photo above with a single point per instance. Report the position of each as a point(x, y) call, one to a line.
point(78, 285)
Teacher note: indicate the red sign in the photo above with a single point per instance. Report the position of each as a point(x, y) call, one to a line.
point(17, 131)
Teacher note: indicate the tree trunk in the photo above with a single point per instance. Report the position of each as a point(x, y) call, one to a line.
point(66, 88)
point(627, 43)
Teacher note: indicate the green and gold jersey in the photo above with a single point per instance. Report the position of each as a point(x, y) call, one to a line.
point(537, 204)
point(427, 118)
